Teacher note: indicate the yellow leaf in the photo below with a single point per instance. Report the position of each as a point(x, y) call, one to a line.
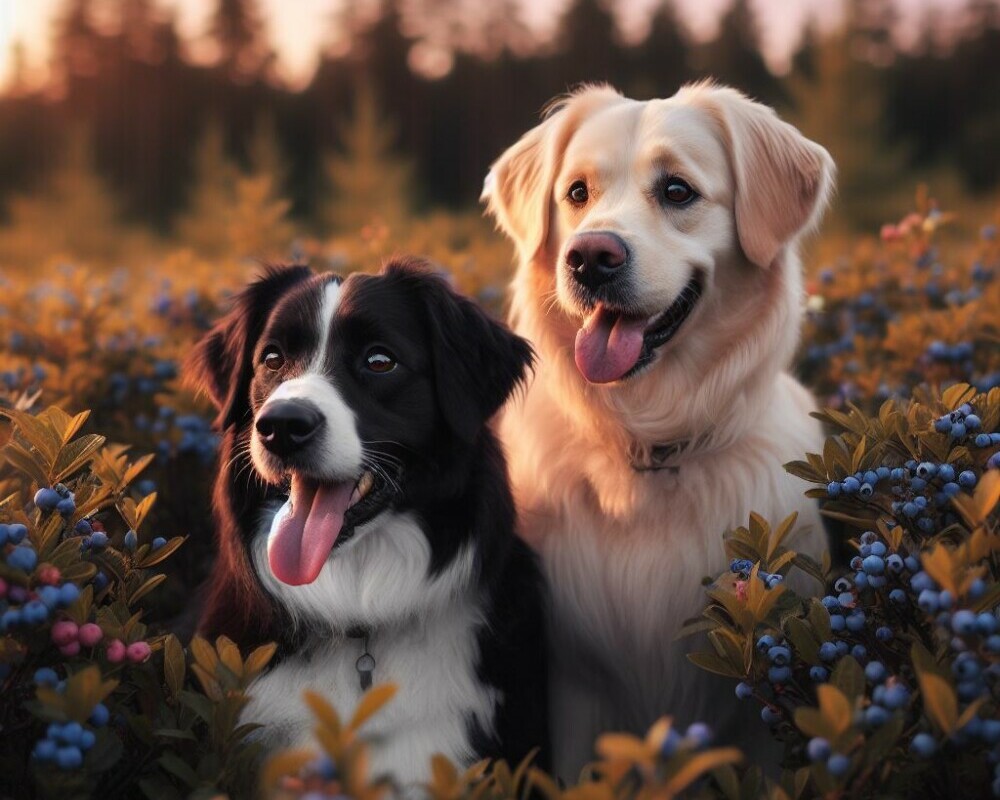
point(286, 763)
point(622, 747)
point(698, 765)
point(204, 654)
point(940, 702)
point(259, 658)
point(372, 701)
point(229, 654)
point(835, 707)
point(323, 711)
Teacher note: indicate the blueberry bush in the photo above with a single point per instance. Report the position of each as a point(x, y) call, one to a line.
point(877, 669)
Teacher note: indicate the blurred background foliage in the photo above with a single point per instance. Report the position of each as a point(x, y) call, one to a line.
point(130, 147)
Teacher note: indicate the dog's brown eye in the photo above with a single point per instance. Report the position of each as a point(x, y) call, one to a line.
point(273, 359)
point(380, 360)
point(678, 192)
point(578, 193)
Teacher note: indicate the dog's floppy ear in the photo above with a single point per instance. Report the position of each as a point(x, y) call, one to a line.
point(220, 363)
point(783, 180)
point(518, 188)
point(477, 362)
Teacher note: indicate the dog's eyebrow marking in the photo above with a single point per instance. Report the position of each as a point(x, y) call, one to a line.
point(331, 300)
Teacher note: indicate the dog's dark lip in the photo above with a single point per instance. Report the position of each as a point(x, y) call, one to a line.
point(664, 326)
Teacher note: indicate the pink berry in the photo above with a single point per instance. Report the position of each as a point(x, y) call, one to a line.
point(90, 634)
point(70, 649)
point(138, 652)
point(3, 588)
point(64, 632)
point(116, 651)
point(49, 575)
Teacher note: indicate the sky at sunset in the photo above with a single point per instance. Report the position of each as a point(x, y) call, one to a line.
point(298, 29)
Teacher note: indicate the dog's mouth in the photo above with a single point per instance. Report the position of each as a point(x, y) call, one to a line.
point(320, 517)
point(613, 345)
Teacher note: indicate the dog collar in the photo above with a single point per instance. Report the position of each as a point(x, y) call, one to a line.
point(660, 456)
point(365, 665)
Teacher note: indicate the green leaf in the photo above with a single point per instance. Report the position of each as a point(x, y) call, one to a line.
point(849, 678)
point(713, 663)
point(174, 664)
point(179, 769)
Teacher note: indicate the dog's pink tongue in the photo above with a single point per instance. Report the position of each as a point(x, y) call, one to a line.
point(608, 345)
point(301, 542)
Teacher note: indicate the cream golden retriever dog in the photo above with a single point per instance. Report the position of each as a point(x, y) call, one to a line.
point(660, 284)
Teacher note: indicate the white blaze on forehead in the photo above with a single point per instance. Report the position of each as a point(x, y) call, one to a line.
point(328, 307)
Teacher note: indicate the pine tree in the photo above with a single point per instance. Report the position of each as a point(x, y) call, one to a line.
point(369, 185)
point(204, 224)
point(238, 31)
point(842, 106)
point(73, 214)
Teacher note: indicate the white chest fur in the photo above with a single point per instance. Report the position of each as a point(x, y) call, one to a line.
point(423, 639)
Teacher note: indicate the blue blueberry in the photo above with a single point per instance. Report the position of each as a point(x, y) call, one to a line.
point(926, 469)
point(895, 696)
point(818, 749)
point(958, 431)
point(779, 674)
point(875, 671)
point(972, 422)
point(66, 506)
point(910, 509)
point(921, 581)
point(699, 734)
point(325, 768)
point(895, 563)
point(16, 532)
point(98, 540)
point(884, 633)
point(897, 596)
point(923, 745)
point(833, 490)
point(45, 750)
point(928, 601)
point(83, 527)
point(967, 479)
point(819, 674)
point(946, 599)
point(963, 622)
point(71, 733)
point(838, 765)
point(68, 594)
point(744, 690)
point(828, 651)
point(770, 715)
point(942, 425)
point(670, 743)
point(845, 599)
point(983, 440)
point(830, 603)
point(157, 543)
point(46, 499)
point(876, 716)
point(130, 541)
point(100, 715)
point(946, 473)
point(851, 485)
point(866, 491)
point(859, 652)
point(837, 623)
point(23, 558)
point(69, 757)
point(35, 612)
point(49, 595)
point(765, 643)
point(986, 623)
point(879, 549)
point(874, 565)
point(861, 581)
point(87, 740)
point(842, 648)
point(912, 564)
point(856, 622)
point(45, 676)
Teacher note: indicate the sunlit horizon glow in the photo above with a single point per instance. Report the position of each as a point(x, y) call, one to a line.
point(300, 31)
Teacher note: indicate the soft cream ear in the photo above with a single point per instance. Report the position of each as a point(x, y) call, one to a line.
point(518, 189)
point(783, 180)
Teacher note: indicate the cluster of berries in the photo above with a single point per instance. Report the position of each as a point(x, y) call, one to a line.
point(316, 780)
point(956, 353)
point(20, 605)
point(56, 498)
point(696, 737)
point(65, 743)
point(69, 638)
point(744, 566)
point(959, 423)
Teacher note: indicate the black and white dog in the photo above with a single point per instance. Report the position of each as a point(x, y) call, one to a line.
point(364, 517)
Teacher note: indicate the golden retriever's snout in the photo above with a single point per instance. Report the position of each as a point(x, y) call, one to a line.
point(596, 258)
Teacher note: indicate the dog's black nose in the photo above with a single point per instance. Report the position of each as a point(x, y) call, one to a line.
point(596, 257)
point(286, 425)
